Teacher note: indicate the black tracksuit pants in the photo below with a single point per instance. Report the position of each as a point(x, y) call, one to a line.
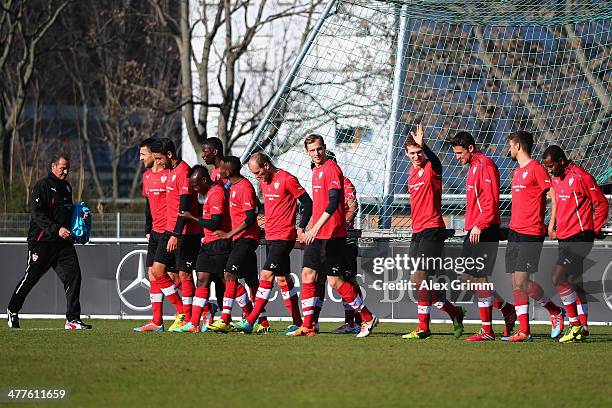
point(62, 257)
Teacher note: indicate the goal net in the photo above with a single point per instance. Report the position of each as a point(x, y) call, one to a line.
point(371, 70)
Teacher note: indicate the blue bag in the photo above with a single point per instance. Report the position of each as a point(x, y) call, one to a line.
point(81, 228)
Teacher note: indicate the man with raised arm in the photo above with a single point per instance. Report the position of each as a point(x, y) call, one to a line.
point(428, 231)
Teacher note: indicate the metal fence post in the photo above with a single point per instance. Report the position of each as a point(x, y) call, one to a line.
point(118, 225)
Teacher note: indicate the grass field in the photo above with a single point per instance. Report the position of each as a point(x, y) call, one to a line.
point(111, 366)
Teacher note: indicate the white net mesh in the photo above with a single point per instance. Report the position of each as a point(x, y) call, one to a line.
point(377, 68)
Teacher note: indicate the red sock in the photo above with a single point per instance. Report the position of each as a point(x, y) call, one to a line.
point(309, 300)
point(568, 297)
point(485, 307)
point(228, 301)
point(199, 302)
point(263, 315)
point(424, 308)
point(582, 308)
point(350, 295)
point(521, 306)
point(439, 301)
point(261, 299)
point(169, 291)
point(291, 300)
point(536, 292)
point(243, 299)
point(187, 290)
point(507, 309)
point(157, 301)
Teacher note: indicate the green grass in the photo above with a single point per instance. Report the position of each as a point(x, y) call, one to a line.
point(111, 366)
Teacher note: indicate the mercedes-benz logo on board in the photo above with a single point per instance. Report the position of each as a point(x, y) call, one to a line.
point(137, 278)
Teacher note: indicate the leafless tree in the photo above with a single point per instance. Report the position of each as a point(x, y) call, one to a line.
point(229, 28)
point(23, 26)
point(121, 94)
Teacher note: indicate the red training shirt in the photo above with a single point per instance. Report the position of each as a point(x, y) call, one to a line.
point(280, 205)
point(350, 194)
point(177, 185)
point(581, 205)
point(325, 178)
point(482, 193)
point(529, 186)
point(215, 176)
point(425, 189)
point(154, 189)
point(242, 198)
point(216, 203)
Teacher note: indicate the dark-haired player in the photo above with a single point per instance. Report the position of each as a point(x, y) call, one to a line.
point(482, 222)
point(214, 251)
point(530, 186)
point(154, 190)
point(181, 240)
point(281, 193)
point(428, 230)
point(582, 210)
point(242, 262)
point(212, 154)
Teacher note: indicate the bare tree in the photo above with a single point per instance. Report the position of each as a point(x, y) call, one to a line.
point(228, 30)
point(23, 25)
point(122, 77)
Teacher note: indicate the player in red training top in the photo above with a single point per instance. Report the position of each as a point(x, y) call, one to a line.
point(482, 223)
point(214, 251)
point(154, 191)
point(352, 320)
point(212, 154)
point(428, 232)
point(281, 193)
point(582, 210)
point(326, 241)
point(181, 240)
point(530, 186)
point(242, 262)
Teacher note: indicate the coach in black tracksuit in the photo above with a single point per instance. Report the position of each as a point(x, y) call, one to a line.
point(50, 244)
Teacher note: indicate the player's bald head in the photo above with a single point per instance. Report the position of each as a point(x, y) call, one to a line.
point(260, 159)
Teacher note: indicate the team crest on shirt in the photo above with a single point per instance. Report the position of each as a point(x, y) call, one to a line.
point(173, 178)
point(525, 173)
point(234, 194)
point(276, 185)
point(474, 170)
point(571, 181)
point(420, 172)
point(163, 179)
point(34, 257)
point(320, 175)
